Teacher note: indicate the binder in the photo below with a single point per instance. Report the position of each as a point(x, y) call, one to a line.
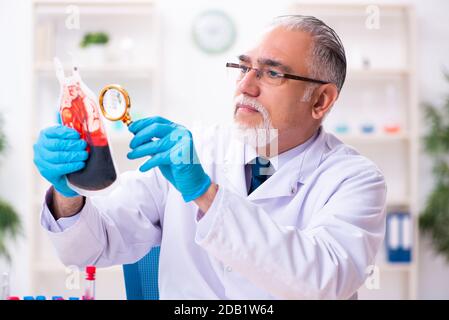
point(399, 237)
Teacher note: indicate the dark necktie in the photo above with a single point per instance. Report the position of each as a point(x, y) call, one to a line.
point(261, 170)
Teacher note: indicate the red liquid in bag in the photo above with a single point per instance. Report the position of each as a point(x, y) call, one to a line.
point(79, 111)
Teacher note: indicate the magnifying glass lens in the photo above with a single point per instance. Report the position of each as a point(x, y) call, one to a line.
point(114, 103)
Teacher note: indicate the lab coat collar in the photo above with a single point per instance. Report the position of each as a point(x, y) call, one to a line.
point(285, 182)
point(279, 160)
point(294, 171)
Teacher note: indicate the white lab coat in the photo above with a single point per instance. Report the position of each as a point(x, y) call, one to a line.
point(309, 232)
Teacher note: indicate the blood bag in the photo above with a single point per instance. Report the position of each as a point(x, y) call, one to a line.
point(79, 110)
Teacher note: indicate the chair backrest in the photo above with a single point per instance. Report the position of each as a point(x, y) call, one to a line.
point(141, 277)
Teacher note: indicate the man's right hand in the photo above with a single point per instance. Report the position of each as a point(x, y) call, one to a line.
point(59, 150)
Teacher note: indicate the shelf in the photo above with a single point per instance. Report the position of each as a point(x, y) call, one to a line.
point(398, 202)
point(377, 73)
point(129, 71)
point(373, 138)
point(99, 7)
point(355, 10)
point(395, 267)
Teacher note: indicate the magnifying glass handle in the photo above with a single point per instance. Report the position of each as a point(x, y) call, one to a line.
point(127, 120)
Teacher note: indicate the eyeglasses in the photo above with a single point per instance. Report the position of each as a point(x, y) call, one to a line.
point(267, 76)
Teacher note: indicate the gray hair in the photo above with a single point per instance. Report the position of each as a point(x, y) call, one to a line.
point(328, 59)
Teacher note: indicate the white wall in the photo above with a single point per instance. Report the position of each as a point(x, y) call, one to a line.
point(193, 91)
point(193, 81)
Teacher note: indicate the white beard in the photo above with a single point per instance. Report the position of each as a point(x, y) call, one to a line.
point(256, 136)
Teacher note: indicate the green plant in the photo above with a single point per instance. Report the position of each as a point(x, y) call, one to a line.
point(9, 227)
point(434, 219)
point(9, 219)
point(94, 38)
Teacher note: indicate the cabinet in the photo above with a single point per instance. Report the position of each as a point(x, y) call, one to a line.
point(130, 58)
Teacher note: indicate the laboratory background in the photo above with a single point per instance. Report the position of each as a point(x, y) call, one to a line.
point(170, 55)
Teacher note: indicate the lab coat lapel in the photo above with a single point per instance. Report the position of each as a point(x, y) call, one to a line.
point(234, 168)
point(286, 180)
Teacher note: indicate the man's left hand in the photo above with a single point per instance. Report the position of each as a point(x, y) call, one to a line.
point(171, 149)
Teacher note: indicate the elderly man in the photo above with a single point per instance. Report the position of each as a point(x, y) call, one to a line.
point(301, 220)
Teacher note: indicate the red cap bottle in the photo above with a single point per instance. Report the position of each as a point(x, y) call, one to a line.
point(89, 291)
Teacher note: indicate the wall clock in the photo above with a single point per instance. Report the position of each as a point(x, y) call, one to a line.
point(214, 31)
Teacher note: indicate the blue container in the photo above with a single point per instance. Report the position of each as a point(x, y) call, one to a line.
point(399, 237)
point(367, 128)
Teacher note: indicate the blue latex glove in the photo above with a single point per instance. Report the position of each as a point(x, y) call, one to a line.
point(174, 154)
point(59, 150)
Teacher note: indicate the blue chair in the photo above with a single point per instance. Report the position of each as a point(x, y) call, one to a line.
point(141, 277)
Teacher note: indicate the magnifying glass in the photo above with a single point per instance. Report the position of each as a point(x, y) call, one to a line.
point(115, 103)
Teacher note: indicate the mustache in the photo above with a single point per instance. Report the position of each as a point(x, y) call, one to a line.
point(245, 100)
point(242, 99)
